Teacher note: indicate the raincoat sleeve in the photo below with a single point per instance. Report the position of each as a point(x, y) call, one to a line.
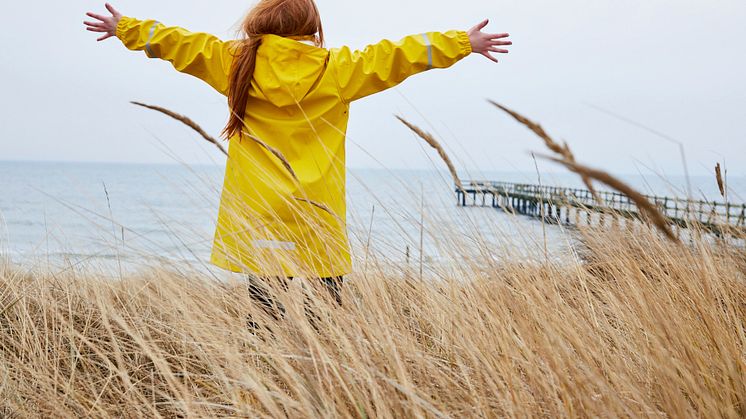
point(199, 54)
point(386, 64)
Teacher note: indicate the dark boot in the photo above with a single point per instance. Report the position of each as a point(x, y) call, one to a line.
point(334, 287)
point(261, 295)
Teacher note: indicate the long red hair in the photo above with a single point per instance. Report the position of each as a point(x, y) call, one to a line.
point(288, 18)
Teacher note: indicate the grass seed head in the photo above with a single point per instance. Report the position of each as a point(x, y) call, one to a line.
point(430, 140)
point(719, 178)
point(186, 121)
point(562, 150)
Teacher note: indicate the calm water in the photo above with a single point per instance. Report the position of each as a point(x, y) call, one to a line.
point(62, 214)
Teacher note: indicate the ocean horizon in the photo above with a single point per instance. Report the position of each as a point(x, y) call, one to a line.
point(75, 214)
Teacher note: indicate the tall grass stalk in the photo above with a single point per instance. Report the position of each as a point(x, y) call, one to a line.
point(639, 327)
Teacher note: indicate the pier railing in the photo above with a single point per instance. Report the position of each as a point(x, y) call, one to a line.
point(550, 201)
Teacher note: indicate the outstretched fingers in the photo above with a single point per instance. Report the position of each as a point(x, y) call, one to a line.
point(481, 25)
point(488, 55)
point(104, 24)
point(498, 50)
point(498, 43)
point(487, 44)
point(112, 10)
point(96, 16)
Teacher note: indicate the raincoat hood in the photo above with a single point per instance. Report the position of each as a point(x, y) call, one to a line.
point(291, 69)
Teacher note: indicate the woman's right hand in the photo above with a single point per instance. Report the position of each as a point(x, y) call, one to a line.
point(106, 24)
point(485, 43)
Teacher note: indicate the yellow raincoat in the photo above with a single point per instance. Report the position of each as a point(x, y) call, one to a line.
point(270, 223)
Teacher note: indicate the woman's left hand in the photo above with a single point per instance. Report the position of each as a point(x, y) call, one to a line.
point(485, 43)
point(106, 24)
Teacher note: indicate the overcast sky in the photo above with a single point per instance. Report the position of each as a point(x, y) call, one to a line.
point(677, 66)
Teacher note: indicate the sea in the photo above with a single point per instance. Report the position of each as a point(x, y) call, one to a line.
point(117, 217)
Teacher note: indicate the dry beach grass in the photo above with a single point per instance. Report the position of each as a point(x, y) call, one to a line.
point(632, 324)
point(635, 326)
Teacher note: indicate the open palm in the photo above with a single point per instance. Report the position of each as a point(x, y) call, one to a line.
point(104, 24)
point(485, 43)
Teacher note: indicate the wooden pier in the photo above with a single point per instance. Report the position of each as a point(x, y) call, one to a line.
point(575, 206)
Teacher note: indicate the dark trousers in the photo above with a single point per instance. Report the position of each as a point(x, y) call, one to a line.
point(260, 294)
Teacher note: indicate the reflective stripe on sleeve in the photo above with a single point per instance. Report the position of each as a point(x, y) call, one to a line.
point(429, 51)
point(150, 38)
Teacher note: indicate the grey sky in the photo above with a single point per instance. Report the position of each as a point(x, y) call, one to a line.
point(675, 65)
